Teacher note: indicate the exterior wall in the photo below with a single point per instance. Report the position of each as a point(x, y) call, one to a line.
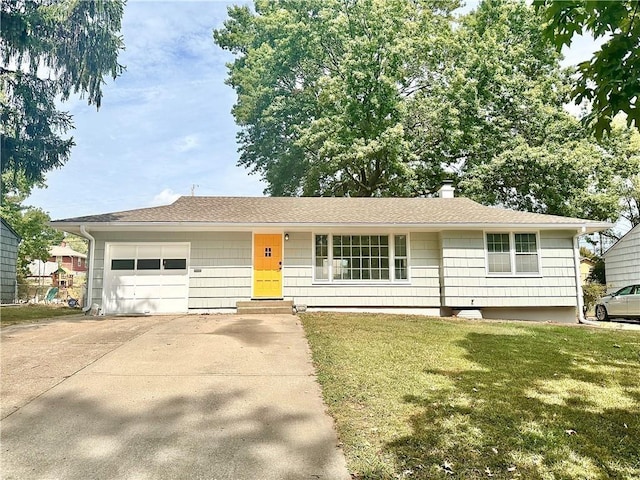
point(221, 272)
point(422, 289)
point(220, 269)
point(465, 282)
point(622, 261)
point(8, 259)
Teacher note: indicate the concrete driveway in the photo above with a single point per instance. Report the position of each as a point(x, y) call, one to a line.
point(189, 397)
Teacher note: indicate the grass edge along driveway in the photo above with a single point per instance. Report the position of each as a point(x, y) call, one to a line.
point(30, 313)
point(423, 398)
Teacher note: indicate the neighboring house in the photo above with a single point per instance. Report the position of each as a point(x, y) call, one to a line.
point(622, 261)
point(9, 242)
point(586, 266)
point(438, 256)
point(62, 265)
point(74, 263)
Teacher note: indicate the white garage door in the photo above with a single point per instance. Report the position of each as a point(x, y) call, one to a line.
point(146, 278)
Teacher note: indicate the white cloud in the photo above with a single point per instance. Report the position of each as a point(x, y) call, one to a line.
point(186, 143)
point(165, 197)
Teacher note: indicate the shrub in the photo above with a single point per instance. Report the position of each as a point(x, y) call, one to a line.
point(591, 293)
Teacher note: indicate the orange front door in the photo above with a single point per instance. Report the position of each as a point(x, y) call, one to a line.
point(267, 266)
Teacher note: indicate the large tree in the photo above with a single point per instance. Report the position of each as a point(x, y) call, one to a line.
point(50, 50)
point(322, 85)
point(610, 80)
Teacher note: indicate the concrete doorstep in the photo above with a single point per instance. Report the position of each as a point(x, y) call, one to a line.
point(193, 397)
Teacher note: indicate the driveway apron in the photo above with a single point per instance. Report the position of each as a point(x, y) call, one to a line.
point(194, 397)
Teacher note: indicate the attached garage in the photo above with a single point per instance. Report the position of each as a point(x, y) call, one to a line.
point(146, 278)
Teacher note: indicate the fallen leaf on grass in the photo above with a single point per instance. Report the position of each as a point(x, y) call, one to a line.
point(448, 467)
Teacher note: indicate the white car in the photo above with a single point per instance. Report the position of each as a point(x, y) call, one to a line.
point(625, 303)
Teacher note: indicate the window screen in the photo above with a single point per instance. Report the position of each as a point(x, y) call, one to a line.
point(400, 257)
point(526, 253)
point(322, 257)
point(498, 253)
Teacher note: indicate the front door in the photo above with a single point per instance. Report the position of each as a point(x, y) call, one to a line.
point(267, 266)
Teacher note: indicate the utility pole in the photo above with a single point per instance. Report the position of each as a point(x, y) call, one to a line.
point(193, 189)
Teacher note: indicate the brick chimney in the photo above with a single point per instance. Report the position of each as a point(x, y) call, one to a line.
point(447, 189)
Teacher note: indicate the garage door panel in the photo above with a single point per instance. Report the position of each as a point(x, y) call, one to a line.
point(123, 251)
point(127, 279)
point(173, 291)
point(149, 251)
point(124, 291)
point(148, 291)
point(175, 251)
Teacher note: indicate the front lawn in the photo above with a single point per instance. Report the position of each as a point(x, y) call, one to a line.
point(423, 398)
point(30, 313)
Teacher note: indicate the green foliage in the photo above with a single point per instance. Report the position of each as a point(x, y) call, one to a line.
point(79, 244)
point(321, 90)
point(598, 273)
point(611, 79)
point(592, 292)
point(50, 49)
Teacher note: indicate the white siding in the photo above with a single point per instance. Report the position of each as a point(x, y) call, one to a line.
point(422, 290)
point(219, 269)
point(466, 283)
point(622, 261)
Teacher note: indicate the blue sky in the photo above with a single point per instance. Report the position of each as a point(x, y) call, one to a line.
point(165, 125)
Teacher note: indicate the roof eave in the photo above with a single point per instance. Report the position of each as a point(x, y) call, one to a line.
point(584, 228)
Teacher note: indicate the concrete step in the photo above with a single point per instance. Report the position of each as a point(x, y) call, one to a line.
point(265, 307)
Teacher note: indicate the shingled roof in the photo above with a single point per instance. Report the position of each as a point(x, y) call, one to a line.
point(303, 211)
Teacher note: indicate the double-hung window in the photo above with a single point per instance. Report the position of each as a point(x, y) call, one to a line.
point(360, 257)
point(512, 254)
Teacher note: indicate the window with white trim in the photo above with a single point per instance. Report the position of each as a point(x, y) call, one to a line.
point(361, 258)
point(512, 253)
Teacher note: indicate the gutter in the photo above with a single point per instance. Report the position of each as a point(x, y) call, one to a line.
point(92, 249)
point(576, 265)
point(306, 226)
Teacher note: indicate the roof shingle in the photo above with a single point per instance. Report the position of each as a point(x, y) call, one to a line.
point(325, 210)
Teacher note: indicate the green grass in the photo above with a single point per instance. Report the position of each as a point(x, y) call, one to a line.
point(32, 313)
point(424, 398)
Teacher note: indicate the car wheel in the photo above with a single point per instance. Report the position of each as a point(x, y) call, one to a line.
point(601, 313)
